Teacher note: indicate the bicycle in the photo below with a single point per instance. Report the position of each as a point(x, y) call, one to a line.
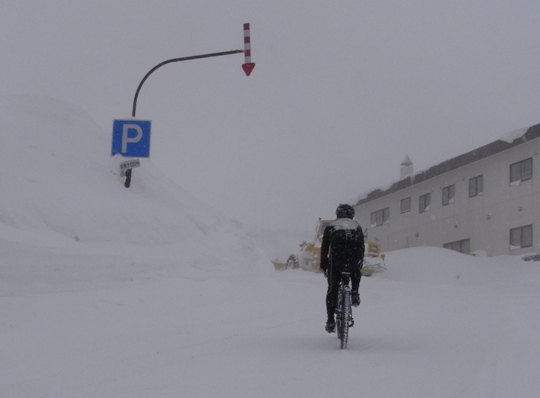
point(344, 319)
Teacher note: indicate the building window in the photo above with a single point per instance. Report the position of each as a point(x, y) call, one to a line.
point(462, 246)
point(380, 217)
point(521, 237)
point(476, 186)
point(424, 203)
point(521, 171)
point(405, 205)
point(448, 194)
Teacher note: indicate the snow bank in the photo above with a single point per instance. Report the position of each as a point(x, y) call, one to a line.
point(438, 266)
point(61, 188)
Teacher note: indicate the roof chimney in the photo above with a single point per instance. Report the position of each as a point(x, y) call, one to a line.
point(406, 167)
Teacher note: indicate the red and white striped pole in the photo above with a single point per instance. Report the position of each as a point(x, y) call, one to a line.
point(248, 65)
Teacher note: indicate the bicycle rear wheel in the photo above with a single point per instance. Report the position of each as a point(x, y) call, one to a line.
point(343, 322)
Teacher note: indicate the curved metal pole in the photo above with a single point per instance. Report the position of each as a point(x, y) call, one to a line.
point(176, 60)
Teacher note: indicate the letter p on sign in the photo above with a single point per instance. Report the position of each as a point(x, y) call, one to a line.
point(131, 138)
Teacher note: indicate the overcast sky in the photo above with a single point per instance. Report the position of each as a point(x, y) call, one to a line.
point(342, 90)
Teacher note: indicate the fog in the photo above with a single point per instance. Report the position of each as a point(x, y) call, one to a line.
point(341, 91)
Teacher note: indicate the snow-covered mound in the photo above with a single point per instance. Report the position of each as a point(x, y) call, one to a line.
point(433, 265)
point(61, 189)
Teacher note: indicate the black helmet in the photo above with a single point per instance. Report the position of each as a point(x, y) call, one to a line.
point(345, 211)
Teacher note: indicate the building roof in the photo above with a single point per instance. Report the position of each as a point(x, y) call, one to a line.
point(454, 163)
point(407, 161)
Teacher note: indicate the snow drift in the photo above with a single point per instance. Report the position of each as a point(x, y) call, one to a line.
point(146, 292)
point(61, 188)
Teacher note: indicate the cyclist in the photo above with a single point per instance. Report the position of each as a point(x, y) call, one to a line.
point(342, 244)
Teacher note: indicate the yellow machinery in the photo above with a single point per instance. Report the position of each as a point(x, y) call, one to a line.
point(309, 256)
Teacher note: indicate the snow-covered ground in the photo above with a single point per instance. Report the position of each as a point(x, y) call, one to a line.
point(147, 292)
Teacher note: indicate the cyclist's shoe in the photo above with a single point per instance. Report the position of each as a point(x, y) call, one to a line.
point(355, 299)
point(330, 327)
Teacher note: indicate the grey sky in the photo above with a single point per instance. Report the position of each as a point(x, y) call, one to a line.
point(342, 90)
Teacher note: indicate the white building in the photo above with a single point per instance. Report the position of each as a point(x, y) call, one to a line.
point(484, 200)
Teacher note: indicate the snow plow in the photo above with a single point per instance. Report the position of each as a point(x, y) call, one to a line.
point(309, 256)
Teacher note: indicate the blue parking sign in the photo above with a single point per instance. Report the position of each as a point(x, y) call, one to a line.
point(131, 138)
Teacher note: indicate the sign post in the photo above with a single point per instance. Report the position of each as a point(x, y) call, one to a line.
point(247, 65)
point(132, 137)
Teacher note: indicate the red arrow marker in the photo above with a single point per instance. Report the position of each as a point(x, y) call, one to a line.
point(248, 65)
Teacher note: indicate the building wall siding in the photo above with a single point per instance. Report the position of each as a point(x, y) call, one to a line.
point(485, 219)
